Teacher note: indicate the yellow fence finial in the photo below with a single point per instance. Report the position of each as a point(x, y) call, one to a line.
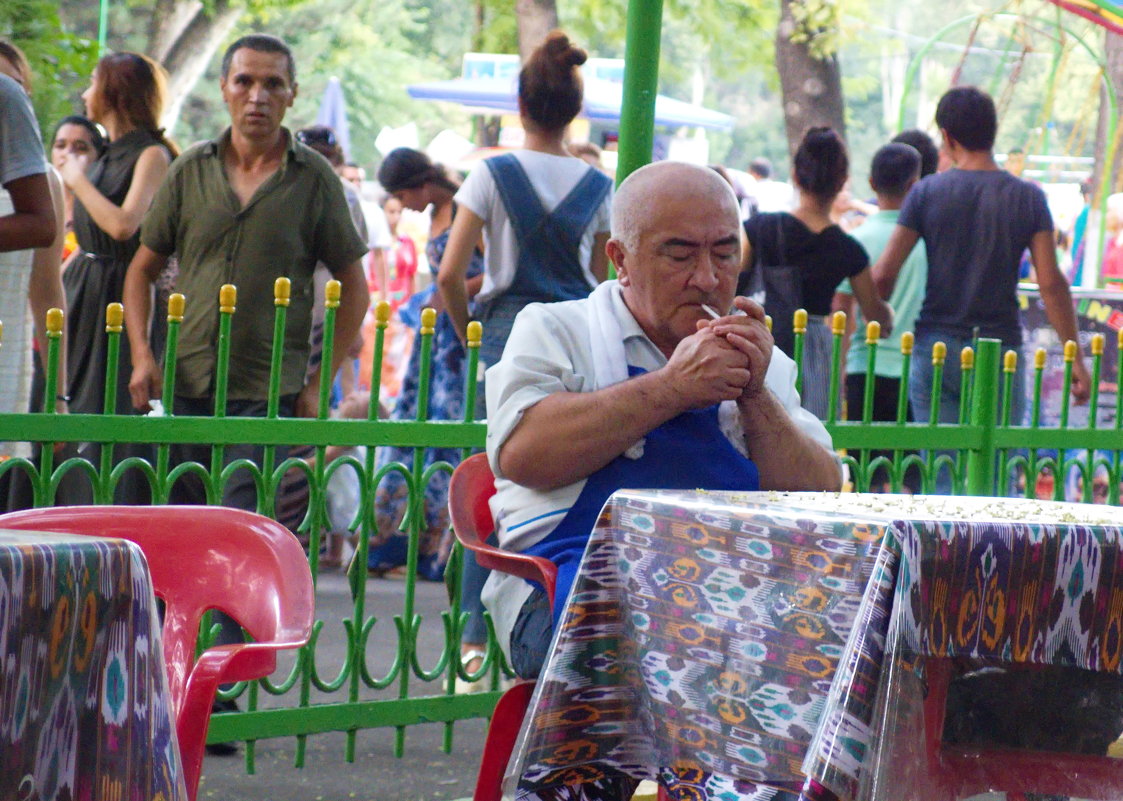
point(939, 353)
point(176, 302)
point(115, 317)
point(1070, 351)
point(227, 298)
point(428, 320)
point(1097, 345)
point(382, 313)
point(967, 358)
point(1039, 357)
point(799, 321)
point(838, 323)
point(873, 331)
point(1010, 361)
point(475, 334)
point(332, 290)
point(768, 322)
point(54, 323)
point(908, 340)
point(282, 291)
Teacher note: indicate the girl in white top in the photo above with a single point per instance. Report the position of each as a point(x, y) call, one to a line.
point(544, 213)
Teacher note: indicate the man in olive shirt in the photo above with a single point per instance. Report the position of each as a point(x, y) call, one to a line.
point(244, 209)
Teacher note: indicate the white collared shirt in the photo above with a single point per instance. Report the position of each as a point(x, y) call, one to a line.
point(549, 351)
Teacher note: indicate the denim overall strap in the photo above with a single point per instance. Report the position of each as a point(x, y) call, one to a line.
point(686, 452)
point(549, 267)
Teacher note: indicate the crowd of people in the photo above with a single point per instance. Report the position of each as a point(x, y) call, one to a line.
point(666, 375)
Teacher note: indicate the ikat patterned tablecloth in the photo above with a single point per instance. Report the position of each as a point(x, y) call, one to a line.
point(83, 700)
point(735, 645)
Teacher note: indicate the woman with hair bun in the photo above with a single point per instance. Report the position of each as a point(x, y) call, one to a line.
point(544, 213)
point(111, 196)
point(799, 259)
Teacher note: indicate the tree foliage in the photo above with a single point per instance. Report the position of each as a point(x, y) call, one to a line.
point(61, 60)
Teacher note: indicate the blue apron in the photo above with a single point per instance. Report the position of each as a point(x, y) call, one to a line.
point(686, 452)
point(549, 266)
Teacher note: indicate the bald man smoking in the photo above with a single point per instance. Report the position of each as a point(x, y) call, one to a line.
point(659, 379)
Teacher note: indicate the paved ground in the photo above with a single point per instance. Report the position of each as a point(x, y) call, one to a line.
point(424, 774)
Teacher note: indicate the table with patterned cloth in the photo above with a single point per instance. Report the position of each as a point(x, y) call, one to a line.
point(84, 710)
point(766, 645)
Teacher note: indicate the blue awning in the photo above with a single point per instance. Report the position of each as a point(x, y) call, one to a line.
point(603, 100)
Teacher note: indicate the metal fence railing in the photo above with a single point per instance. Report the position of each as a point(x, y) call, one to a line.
point(981, 454)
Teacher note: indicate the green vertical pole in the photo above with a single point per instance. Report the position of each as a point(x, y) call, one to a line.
point(799, 335)
point(102, 27)
point(984, 414)
point(1097, 348)
point(838, 331)
point(641, 80)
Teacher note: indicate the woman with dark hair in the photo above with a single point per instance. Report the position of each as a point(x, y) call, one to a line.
point(74, 136)
point(111, 195)
point(410, 177)
point(544, 213)
point(798, 259)
point(418, 184)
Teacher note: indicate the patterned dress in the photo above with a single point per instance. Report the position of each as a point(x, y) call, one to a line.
point(446, 402)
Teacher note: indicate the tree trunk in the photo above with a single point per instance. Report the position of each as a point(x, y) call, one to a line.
point(536, 18)
point(811, 88)
point(187, 52)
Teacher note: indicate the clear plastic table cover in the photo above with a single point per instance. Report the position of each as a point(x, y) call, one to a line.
point(784, 646)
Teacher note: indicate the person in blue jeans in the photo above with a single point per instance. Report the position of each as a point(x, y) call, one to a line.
point(544, 217)
point(976, 220)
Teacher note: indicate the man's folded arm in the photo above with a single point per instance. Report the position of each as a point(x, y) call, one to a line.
point(566, 436)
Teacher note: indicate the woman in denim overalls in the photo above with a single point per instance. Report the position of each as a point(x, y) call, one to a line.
point(544, 217)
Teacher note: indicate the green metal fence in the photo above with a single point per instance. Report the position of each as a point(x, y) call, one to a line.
point(982, 452)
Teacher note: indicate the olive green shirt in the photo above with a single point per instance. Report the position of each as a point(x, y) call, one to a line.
point(297, 217)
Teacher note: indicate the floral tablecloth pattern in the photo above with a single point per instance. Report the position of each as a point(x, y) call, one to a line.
point(735, 645)
point(83, 701)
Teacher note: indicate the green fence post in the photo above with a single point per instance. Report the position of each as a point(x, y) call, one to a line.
point(176, 305)
point(966, 383)
point(1097, 349)
point(1039, 358)
point(227, 303)
point(799, 333)
point(838, 331)
point(908, 342)
point(641, 83)
point(984, 414)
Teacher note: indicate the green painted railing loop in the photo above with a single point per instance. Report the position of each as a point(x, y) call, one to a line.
point(799, 333)
point(838, 329)
point(344, 672)
point(984, 413)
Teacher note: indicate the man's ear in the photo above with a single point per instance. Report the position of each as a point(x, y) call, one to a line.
point(618, 256)
point(295, 87)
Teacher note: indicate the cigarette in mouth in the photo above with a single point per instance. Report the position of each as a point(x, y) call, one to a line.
point(709, 310)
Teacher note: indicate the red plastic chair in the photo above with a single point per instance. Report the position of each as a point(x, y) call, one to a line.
point(204, 557)
point(471, 487)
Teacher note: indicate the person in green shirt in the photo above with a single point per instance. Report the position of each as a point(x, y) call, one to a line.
point(895, 168)
point(246, 208)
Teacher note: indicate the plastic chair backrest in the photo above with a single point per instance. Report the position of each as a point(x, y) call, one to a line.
point(204, 557)
point(470, 489)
